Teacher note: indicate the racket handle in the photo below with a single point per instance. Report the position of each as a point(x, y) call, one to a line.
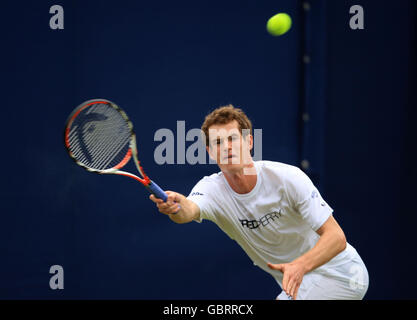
point(157, 191)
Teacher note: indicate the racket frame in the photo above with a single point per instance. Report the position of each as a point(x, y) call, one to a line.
point(131, 153)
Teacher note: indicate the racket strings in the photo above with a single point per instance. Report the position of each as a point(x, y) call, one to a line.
point(112, 146)
point(99, 137)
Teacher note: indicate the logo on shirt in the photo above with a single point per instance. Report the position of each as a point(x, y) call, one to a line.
point(264, 221)
point(314, 195)
point(197, 194)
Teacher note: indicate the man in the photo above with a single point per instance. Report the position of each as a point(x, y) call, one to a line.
point(275, 214)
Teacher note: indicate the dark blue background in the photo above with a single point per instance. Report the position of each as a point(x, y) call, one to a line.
point(172, 61)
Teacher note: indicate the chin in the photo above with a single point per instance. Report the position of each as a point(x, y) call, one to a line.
point(231, 167)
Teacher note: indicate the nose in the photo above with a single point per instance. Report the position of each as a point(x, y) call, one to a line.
point(228, 145)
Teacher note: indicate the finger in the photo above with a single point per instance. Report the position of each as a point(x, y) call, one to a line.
point(285, 283)
point(170, 194)
point(290, 287)
point(169, 202)
point(279, 267)
point(164, 210)
point(155, 199)
point(296, 291)
point(168, 209)
point(173, 209)
point(172, 197)
point(164, 206)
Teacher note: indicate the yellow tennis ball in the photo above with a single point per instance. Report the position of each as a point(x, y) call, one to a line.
point(279, 24)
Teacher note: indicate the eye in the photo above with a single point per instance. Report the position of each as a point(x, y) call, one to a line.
point(234, 137)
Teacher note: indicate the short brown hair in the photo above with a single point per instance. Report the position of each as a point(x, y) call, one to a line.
point(224, 115)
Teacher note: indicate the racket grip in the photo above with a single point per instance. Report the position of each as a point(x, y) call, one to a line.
point(157, 191)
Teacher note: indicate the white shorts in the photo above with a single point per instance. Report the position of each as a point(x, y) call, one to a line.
point(350, 281)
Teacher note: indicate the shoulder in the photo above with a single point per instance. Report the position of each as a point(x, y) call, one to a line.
point(291, 178)
point(214, 178)
point(209, 182)
point(205, 194)
point(282, 170)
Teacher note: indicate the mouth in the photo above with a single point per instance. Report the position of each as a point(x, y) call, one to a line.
point(230, 156)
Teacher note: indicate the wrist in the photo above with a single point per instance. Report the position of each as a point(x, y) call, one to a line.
point(303, 263)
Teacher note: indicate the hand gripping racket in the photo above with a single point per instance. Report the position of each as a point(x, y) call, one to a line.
point(99, 137)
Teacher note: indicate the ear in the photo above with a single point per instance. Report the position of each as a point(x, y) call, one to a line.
point(247, 153)
point(249, 140)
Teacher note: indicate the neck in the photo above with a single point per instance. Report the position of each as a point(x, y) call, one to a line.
point(242, 181)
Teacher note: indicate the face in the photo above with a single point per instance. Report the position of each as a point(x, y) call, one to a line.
point(228, 147)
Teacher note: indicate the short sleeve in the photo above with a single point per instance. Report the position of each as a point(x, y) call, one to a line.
point(306, 199)
point(201, 196)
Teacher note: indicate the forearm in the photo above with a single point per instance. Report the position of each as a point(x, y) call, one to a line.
point(329, 245)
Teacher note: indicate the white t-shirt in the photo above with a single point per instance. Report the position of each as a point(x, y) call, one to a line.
point(276, 221)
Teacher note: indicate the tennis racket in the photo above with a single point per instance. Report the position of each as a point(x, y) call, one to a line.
point(99, 136)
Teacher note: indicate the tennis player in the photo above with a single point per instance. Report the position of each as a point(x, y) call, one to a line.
point(274, 212)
